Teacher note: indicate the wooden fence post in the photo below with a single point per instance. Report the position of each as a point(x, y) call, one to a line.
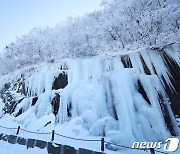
point(52, 135)
point(18, 130)
point(102, 144)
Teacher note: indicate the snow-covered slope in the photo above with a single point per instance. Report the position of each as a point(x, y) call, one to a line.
point(125, 98)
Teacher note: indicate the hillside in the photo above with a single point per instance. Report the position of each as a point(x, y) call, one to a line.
point(123, 97)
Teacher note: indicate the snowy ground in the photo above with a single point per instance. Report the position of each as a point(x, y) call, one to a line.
point(7, 121)
point(6, 148)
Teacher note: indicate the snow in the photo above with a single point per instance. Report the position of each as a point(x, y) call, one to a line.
point(116, 73)
point(7, 148)
point(132, 25)
point(104, 100)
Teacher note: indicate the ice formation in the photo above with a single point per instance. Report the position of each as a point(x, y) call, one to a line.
point(123, 97)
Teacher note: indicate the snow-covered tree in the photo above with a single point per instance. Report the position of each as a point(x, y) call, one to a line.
point(121, 26)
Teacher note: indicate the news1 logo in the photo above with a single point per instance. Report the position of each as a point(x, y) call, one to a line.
point(170, 145)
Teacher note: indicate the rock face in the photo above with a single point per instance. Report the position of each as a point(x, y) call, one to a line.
point(34, 100)
point(60, 82)
point(143, 92)
point(56, 103)
point(140, 90)
point(10, 101)
point(173, 93)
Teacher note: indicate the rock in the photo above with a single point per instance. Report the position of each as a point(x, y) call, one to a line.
point(41, 144)
point(12, 139)
point(142, 92)
point(126, 61)
point(7, 86)
point(19, 112)
point(98, 152)
point(34, 100)
point(21, 141)
point(146, 69)
point(167, 116)
point(56, 103)
point(69, 150)
point(4, 137)
point(60, 82)
point(30, 143)
point(1, 135)
point(82, 151)
point(173, 94)
point(69, 108)
point(53, 149)
point(9, 102)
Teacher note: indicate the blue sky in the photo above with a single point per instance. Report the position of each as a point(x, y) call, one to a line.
point(18, 17)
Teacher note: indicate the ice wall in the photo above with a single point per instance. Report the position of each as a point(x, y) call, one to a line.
point(123, 97)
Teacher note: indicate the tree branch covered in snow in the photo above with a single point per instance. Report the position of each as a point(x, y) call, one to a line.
point(121, 26)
